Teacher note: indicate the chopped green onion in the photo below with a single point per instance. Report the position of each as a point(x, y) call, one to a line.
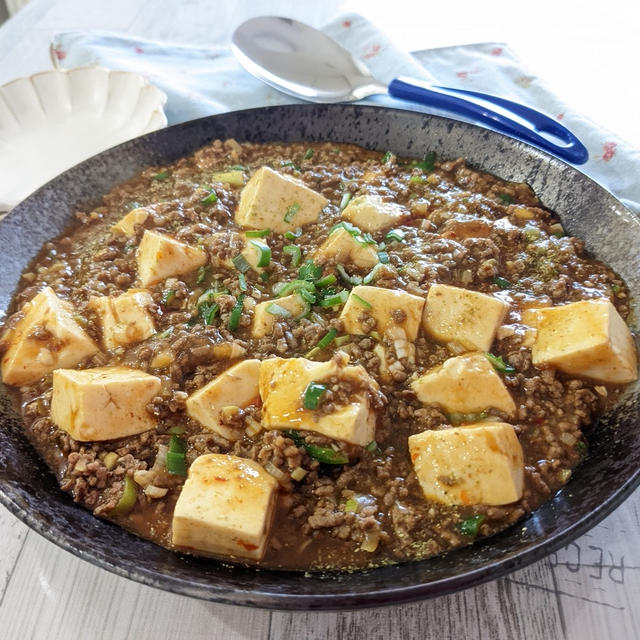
point(373, 273)
point(258, 233)
point(327, 339)
point(208, 312)
point(372, 447)
point(417, 179)
point(326, 455)
point(264, 276)
point(531, 234)
point(386, 157)
point(501, 283)
point(176, 464)
point(133, 205)
point(499, 364)
point(428, 162)
point(178, 430)
point(265, 253)
point(466, 418)
point(362, 302)
point(581, 447)
point(212, 198)
point(365, 238)
point(295, 253)
point(347, 226)
point(352, 280)
point(291, 211)
point(292, 287)
point(203, 272)
point(177, 445)
point(168, 296)
point(326, 281)
point(238, 167)
point(615, 288)
point(307, 296)
point(127, 499)
point(351, 506)
point(312, 395)
point(242, 282)
point(308, 154)
point(276, 310)
point(395, 235)
point(293, 235)
point(505, 198)
point(471, 526)
point(209, 296)
point(309, 271)
point(383, 256)
point(110, 460)
point(289, 163)
point(340, 340)
point(346, 199)
point(163, 175)
point(164, 334)
point(334, 300)
point(241, 264)
point(236, 312)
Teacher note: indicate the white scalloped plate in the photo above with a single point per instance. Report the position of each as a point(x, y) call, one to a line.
point(55, 119)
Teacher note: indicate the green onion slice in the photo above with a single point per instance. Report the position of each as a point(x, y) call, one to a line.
point(236, 312)
point(334, 300)
point(328, 338)
point(203, 272)
point(347, 226)
point(395, 235)
point(168, 296)
point(163, 175)
point(428, 162)
point(308, 154)
point(386, 157)
point(383, 256)
point(241, 264)
point(312, 395)
point(127, 499)
point(208, 312)
point(362, 302)
point(326, 455)
point(291, 211)
point(212, 198)
point(502, 283)
point(265, 253)
point(290, 163)
point(326, 281)
point(373, 273)
point(276, 310)
point(505, 198)
point(284, 289)
point(295, 253)
point(176, 463)
point(346, 199)
point(178, 430)
point(352, 280)
point(293, 235)
point(258, 233)
point(372, 447)
point(238, 167)
point(351, 506)
point(242, 282)
point(307, 296)
point(471, 526)
point(499, 364)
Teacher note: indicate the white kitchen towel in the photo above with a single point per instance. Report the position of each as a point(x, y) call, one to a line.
point(201, 81)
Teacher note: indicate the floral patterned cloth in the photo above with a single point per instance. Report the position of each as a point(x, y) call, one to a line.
point(202, 81)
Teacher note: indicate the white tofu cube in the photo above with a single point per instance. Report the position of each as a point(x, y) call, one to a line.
point(476, 464)
point(372, 213)
point(124, 319)
point(46, 338)
point(225, 507)
point(235, 387)
point(160, 256)
point(587, 339)
point(264, 320)
point(103, 403)
point(282, 387)
point(382, 305)
point(465, 384)
point(279, 202)
point(466, 318)
point(343, 248)
point(127, 225)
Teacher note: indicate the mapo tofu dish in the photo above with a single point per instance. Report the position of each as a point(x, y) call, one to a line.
point(314, 356)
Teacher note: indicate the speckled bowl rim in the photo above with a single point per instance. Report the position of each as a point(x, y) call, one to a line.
point(257, 597)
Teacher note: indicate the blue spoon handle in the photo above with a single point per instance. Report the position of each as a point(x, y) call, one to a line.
point(533, 122)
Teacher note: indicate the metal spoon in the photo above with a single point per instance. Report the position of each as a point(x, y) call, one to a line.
point(303, 62)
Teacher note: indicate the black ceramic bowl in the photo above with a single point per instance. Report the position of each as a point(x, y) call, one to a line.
point(598, 486)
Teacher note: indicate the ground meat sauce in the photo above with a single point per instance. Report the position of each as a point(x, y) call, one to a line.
point(466, 229)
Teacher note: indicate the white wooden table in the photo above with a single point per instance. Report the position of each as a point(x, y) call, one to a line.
point(588, 591)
